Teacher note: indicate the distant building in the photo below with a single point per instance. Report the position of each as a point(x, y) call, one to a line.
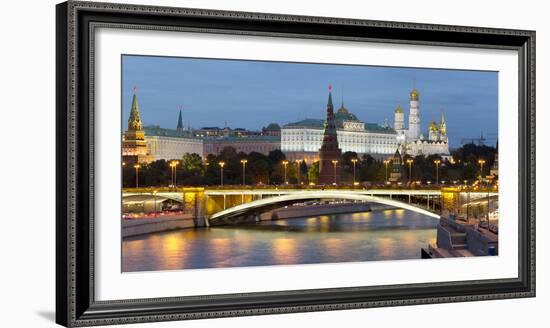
point(396, 167)
point(171, 144)
point(411, 140)
point(273, 129)
point(303, 139)
point(259, 144)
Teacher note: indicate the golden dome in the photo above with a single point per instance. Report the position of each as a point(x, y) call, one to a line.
point(399, 110)
point(414, 94)
point(433, 126)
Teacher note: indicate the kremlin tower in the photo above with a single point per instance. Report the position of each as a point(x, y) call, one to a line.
point(134, 147)
point(330, 156)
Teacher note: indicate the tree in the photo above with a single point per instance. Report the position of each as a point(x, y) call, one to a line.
point(313, 172)
point(260, 170)
point(276, 156)
point(192, 164)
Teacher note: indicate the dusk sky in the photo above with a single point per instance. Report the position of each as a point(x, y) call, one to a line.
point(252, 94)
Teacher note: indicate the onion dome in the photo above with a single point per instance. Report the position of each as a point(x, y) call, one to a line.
point(414, 94)
point(433, 126)
point(399, 110)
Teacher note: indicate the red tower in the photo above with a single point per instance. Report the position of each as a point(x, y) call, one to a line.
point(330, 156)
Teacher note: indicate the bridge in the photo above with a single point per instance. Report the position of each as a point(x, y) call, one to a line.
point(222, 205)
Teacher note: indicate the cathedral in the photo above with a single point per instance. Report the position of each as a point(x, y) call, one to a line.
point(412, 141)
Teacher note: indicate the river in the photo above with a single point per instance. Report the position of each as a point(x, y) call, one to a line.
point(394, 234)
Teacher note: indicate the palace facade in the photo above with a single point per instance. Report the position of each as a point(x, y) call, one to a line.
point(303, 139)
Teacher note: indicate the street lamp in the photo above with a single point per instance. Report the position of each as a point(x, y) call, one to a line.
point(155, 201)
point(285, 163)
point(437, 162)
point(221, 164)
point(244, 161)
point(173, 165)
point(410, 161)
point(386, 162)
point(334, 162)
point(354, 160)
point(481, 162)
point(137, 166)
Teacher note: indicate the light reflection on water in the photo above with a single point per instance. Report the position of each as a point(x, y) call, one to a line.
point(383, 235)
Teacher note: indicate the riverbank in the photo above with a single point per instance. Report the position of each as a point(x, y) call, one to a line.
point(142, 226)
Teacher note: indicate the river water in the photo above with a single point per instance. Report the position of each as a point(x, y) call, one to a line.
point(379, 235)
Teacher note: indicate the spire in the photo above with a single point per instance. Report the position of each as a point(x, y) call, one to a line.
point(134, 121)
point(442, 124)
point(180, 122)
point(330, 98)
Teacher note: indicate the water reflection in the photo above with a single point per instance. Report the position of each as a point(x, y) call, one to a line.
point(381, 235)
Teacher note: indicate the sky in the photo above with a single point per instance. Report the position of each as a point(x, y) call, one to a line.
point(252, 94)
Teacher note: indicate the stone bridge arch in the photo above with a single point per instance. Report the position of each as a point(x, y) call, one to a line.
point(270, 202)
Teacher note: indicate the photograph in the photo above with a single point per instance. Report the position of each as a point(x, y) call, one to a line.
point(238, 163)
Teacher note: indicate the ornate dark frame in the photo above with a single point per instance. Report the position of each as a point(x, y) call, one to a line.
point(76, 23)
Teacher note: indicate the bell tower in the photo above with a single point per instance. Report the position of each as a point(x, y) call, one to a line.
point(414, 115)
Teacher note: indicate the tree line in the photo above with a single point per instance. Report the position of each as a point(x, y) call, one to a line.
point(260, 169)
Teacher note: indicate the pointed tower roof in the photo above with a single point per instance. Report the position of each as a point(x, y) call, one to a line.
point(330, 139)
point(397, 160)
point(442, 124)
point(329, 104)
point(134, 121)
point(180, 122)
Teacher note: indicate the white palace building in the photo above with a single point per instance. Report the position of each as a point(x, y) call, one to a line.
point(302, 139)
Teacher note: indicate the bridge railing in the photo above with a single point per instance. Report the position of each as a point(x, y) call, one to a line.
point(432, 187)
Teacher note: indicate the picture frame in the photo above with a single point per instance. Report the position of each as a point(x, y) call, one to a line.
point(76, 304)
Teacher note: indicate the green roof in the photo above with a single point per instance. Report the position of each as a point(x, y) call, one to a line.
point(157, 131)
point(344, 115)
point(307, 123)
point(319, 124)
point(243, 139)
point(273, 127)
point(377, 128)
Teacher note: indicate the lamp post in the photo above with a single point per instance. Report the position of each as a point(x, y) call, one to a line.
point(155, 201)
point(137, 166)
point(386, 162)
point(410, 161)
point(285, 163)
point(334, 162)
point(243, 162)
point(481, 162)
point(437, 162)
point(176, 173)
point(354, 160)
point(173, 165)
point(221, 164)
